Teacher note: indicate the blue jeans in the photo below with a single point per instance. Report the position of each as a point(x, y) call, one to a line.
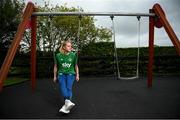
point(65, 84)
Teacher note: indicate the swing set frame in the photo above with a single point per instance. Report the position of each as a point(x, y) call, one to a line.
point(157, 18)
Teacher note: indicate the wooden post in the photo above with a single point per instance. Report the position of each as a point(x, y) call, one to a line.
point(160, 13)
point(33, 51)
point(15, 44)
point(151, 50)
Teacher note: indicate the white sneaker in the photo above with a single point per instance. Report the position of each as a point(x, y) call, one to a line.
point(69, 104)
point(64, 109)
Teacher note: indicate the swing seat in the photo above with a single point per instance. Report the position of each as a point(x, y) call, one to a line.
point(128, 78)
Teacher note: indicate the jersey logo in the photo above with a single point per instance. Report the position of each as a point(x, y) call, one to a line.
point(66, 65)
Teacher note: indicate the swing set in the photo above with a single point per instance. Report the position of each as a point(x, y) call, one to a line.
point(157, 18)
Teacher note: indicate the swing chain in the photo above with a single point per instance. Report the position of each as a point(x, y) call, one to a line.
point(138, 17)
point(112, 17)
point(113, 37)
point(80, 17)
point(78, 34)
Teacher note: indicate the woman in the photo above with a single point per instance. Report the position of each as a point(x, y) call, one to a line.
point(66, 71)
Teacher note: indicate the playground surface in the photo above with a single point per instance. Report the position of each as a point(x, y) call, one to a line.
point(95, 97)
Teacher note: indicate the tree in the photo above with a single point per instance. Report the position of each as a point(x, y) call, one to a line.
point(9, 19)
point(53, 30)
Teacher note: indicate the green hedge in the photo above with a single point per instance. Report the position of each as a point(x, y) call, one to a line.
point(98, 59)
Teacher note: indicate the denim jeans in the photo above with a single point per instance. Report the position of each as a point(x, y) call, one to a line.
point(65, 84)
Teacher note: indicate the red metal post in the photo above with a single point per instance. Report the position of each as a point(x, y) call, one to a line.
point(33, 51)
point(151, 50)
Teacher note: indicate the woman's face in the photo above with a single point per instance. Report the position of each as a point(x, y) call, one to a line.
point(68, 47)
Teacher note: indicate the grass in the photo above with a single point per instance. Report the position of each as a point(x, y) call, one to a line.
point(14, 80)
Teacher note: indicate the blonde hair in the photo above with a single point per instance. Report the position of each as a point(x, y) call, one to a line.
point(63, 44)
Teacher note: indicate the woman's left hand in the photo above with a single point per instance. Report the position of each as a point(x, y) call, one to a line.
point(77, 78)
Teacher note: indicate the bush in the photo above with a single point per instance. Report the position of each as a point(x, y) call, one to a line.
point(98, 59)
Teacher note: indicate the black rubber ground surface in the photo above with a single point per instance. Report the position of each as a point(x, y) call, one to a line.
point(95, 98)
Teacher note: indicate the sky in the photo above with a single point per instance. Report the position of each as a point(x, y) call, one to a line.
point(126, 28)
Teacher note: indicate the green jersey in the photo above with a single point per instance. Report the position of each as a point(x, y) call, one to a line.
point(66, 62)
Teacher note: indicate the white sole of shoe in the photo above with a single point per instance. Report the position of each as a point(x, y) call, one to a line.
point(64, 111)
